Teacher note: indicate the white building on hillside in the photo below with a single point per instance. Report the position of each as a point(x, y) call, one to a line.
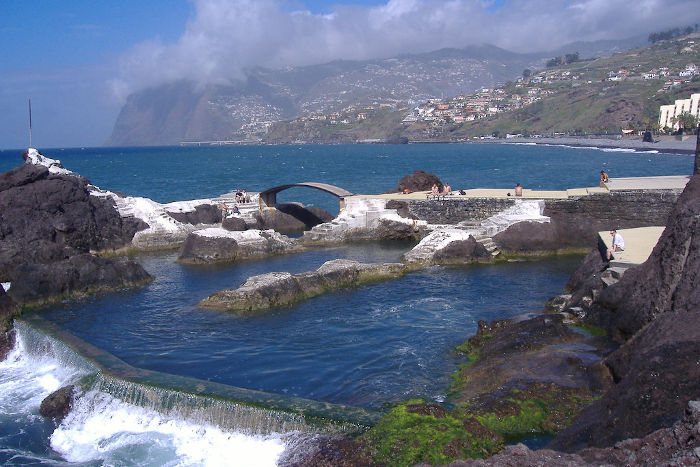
point(667, 113)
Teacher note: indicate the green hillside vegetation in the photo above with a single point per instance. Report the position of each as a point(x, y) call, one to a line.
point(575, 98)
point(378, 125)
point(593, 105)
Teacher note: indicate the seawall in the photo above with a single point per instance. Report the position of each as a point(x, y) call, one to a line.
point(578, 214)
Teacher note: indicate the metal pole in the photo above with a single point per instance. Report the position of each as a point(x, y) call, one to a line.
point(696, 170)
point(30, 123)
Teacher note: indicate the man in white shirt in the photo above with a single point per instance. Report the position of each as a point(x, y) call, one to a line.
point(618, 243)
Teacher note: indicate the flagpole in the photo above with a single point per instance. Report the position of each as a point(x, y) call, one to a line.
point(30, 123)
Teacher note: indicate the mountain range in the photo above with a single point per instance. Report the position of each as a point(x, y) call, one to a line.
point(185, 111)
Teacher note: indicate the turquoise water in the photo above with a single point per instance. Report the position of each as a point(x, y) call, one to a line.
point(369, 346)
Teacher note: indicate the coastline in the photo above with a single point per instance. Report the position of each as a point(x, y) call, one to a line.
point(666, 144)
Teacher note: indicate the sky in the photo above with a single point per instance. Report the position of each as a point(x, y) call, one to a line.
point(78, 60)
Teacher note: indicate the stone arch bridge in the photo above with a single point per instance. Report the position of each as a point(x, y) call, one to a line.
point(269, 196)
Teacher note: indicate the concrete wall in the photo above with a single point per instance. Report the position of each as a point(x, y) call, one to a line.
point(453, 211)
point(577, 220)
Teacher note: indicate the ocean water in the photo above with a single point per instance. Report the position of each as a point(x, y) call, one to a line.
point(368, 347)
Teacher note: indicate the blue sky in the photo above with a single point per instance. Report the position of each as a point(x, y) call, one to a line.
point(79, 59)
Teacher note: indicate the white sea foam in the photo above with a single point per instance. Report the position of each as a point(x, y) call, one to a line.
point(618, 150)
point(101, 427)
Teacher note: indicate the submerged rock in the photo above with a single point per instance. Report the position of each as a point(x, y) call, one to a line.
point(282, 288)
point(218, 245)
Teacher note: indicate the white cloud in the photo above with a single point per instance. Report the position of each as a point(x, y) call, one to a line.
point(224, 37)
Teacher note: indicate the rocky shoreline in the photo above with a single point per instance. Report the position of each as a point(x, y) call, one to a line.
point(671, 144)
point(612, 361)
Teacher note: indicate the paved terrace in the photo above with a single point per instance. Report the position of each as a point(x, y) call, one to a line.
point(638, 245)
point(615, 184)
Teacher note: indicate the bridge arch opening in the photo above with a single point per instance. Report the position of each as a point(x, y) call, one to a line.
point(298, 201)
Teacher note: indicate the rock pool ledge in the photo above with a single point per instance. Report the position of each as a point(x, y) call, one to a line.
point(276, 289)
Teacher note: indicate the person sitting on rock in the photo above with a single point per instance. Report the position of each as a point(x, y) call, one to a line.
point(518, 190)
point(435, 191)
point(603, 177)
point(446, 189)
point(618, 244)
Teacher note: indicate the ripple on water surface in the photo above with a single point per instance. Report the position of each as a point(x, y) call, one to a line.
point(366, 346)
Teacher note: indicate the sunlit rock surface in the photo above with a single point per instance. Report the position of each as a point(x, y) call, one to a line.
point(282, 288)
point(217, 245)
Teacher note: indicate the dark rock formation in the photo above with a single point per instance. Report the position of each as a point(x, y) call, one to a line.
point(57, 404)
point(282, 288)
point(508, 355)
point(653, 309)
point(401, 208)
point(420, 180)
point(462, 251)
point(234, 224)
point(529, 237)
point(202, 214)
point(388, 229)
point(216, 245)
point(78, 275)
point(669, 281)
point(291, 217)
point(448, 246)
point(677, 445)
point(48, 226)
point(46, 217)
point(8, 311)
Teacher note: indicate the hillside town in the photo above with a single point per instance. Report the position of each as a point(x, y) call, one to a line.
point(645, 68)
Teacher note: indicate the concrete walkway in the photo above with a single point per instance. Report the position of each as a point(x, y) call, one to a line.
point(674, 182)
point(639, 243)
point(671, 182)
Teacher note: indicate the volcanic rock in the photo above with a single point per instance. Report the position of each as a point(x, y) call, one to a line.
point(528, 237)
point(57, 404)
point(8, 311)
point(517, 354)
point(291, 217)
point(217, 245)
point(78, 275)
point(653, 309)
point(282, 288)
point(202, 214)
point(448, 246)
point(46, 217)
point(234, 224)
point(669, 281)
point(677, 445)
point(420, 180)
